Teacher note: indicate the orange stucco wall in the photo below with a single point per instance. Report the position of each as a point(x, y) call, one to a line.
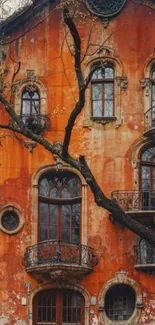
point(108, 149)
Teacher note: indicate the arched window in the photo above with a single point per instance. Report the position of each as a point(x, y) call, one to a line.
point(30, 102)
point(120, 302)
point(59, 207)
point(58, 307)
point(102, 85)
point(146, 252)
point(147, 178)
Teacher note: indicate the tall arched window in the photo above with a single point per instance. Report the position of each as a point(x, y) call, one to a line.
point(59, 207)
point(147, 178)
point(58, 307)
point(102, 85)
point(30, 105)
point(146, 252)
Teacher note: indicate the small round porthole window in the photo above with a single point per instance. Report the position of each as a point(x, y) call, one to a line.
point(11, 220)
point(120, 302)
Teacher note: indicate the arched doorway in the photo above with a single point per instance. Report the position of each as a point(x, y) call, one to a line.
point(58, 306)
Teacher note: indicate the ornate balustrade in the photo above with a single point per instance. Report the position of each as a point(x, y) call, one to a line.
point(35, 122)
point(135, 200)
point(149, 118)
point(56, 255)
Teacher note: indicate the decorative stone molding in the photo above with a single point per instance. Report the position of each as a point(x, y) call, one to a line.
point(31, 74)
point(122, 82)
point(121, 277)
point(145, 84)
point(30, 145)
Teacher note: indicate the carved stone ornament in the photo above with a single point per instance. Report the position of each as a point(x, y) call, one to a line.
point(139, 301)
point(30, 145)
point(122, 82)
point(121, 276)
point(61, 277)
point(31, 74)
point(105, 8)
point(145, 84)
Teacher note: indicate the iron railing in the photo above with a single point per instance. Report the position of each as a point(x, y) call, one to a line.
point(57, 252)
point(35, 122)
point(144, 254)
point(135, 200)
point(149, 118)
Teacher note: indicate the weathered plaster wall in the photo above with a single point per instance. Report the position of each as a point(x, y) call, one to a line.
point(108, 149)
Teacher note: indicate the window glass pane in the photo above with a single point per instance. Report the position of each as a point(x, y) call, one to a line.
point(148, 154)
point(26, 95)
point(66, 213)
point(153, 74)
point(108, 91)
point(108, 108)
point(53, 214)
point(97, 74)
point(53, 233)
point(96, 92)
point(43, 212)
point(26, 107)
point(65, 236)
point(97, 108)
point(74, 186)
point(76, 223)
point(145, 178)
point(35, 107)
point(109, 73)
point(72, 303)
point(35, 95)
point(65, 193)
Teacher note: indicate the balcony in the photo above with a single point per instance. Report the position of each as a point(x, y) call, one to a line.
point(138, 204)
point(149, 118)
point(59, 259)
point(144, 258)
point(37, 123)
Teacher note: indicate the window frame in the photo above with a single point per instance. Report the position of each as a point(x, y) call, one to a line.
point(60, 202)
point(59, 294)
point(104, 81)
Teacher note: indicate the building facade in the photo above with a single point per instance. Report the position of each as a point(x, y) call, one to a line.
point(62, 258)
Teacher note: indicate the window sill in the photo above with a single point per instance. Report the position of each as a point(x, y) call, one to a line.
point(88, 122)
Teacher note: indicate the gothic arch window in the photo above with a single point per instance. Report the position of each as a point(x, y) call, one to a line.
point(58, 306)
point(30, 104)
point(102, 92)
point(146, 252)
point(147, 178)
point(60, 207)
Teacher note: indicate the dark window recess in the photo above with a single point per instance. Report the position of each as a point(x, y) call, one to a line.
point(147, 252)
point(102, 85)
point(147, 178)
point(57, 307)
point(60, 207)
point(153, 97)
point(10, 220)
point(120, 302)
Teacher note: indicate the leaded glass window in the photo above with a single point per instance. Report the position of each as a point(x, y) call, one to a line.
point(153, 93)
point(120, 302)
point(60, 207)
point(102, 85)
point(30, 106)
point(147, 252)
point(147, 179)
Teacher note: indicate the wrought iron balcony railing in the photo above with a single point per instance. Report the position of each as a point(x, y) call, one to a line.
point(149, 118)
point(144, 255)
point(57, 252)
point(135, 200)
point(35, 122)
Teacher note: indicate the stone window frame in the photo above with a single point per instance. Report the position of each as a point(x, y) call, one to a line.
point(47, 286)
point(11, 207)
point(121, 83)
point(146, 83)
point(84, 208)
point(120, 278)
point(19, 88)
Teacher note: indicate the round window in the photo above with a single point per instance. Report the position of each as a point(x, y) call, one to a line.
point(120, 302)
point(10, 220)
